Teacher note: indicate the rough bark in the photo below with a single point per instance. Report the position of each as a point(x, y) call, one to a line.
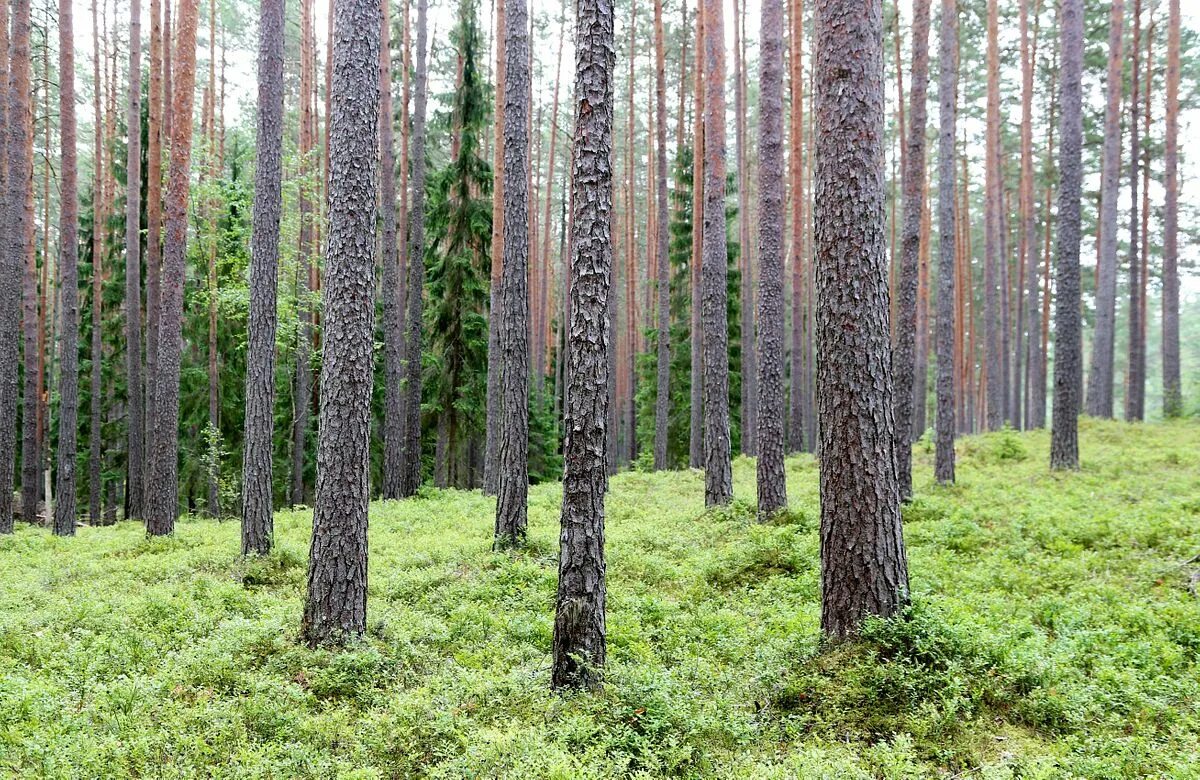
point(99, 218)
point(993, 256)
point(135, 422)
point(512, 479)
point(796, 404)
point(257, 482)
point(495, 367)
point(416, 266)
point(913, 176)
point(748, 368)
point(863, 567)
point(1100, 377)
point(662, 260)
point(696, 394)
point(302, 377)
point(7, 419)
point(579, 650)
point(68, 383)
point(718, 468)
point(944, 422)
point(1035, 417)
point(1172, 387)
point(393, 306)
point(162, 504)
point(154, 122)
point(1064, 437)
point(772, 487)
point(1135, 374)
point(336, 606)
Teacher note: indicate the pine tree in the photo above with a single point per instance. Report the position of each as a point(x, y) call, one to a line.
point(947, 369)
point(662, 261)
point(1172, 387)
point(393, 306)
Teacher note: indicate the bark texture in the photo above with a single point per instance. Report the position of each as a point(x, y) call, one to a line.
point(662, 260)
point(945, 324)
point(863, 566)
point(913, 182)
point(99, 219)
point(154, 122)
point(1100, 377)
point(1135, 385)
point(68, 270)
point(135, 422)
point(797, 388)
point(336, 606)
point(512, 479)
point(749, 368)
point(1172, 387)
point(162, 495)
point(579, 650)
point(772, 488)
point(696, 391)
point(718, 468)
point(393, 305)
point(1064, 436)
point(416, 266)
point(1035, 411)
point(993, 328)
point(257, 482)
point(495, 366)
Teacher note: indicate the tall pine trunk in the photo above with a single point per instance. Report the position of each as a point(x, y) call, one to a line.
point(863, 566)
point(336, 606)
point(1064, 437)
point(154, 122)
point(257, 482)
point(135, 423)
point(99, 218)
point(748, 368)
point(1172, 387)
point(495, 367)
point(945, 423)
point(797, 385)
point(1135, 387)
point(662, 260)
point(772, 487)
point(393, 307)
point(993, 256)
point(1035, 412)
point(696, 403)
point(162, 503)
point(579, 650)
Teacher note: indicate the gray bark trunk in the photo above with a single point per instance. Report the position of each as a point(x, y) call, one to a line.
point(944, 422)
point(1064, 437)
point(579, 651)
point(336, 607)
point(662, 404)
point(1135, 386)
point(1035, 412)
point(393, 305)
point(993, 327)
point(772, 487)
point(135, 421)
point(257, 504)
point(1172, 388)
point(863, 567)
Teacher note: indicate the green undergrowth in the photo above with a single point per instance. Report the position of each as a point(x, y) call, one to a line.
point(1054, 633)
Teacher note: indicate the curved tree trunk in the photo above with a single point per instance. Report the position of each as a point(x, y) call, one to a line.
point(1064, 436)
point(944, 422)
point(257, 482)
point(416, 267)
point(162, 503)
point(336, 606)
point(863, 566)
point(718, 468)
point(579, 651)
point(772, 487)
point(1100, 377)
point(913, 174)
point(512, 479)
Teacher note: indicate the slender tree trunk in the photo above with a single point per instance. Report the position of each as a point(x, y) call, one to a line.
point(302, 378)
point(393, 306)
point(662, 260)
point(718, 470)
point(336, 607)
point(1172, 387)
point(1034, 415)
point(1064, 438)
point(579, 650)
point(495, 367)
point(904, 354)
point(944, 423)
point(99, 220)
point(993, 256)
point(543, 309)
point(30, 441)
point(153, 227)
point(135, 425)
point(797, 387)
point(512, 480)
point(696, 408)
point(1134, 385)
point(921, 359)
point(748, 368)
point(162, 503)
point(257, 482)
point(629, 399)
point(772, 487)
point(68, 383)
point(1100, 377)
point(214, 173)
point(416, 267)
point(863, 567)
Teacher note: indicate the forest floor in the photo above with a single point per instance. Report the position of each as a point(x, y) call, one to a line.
point(1055, 633)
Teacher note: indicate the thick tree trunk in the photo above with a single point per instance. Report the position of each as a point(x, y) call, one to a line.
point(1064, 438)
point(718, 469)
point(154, 116)
point(1135, 382)
point(945, 422)
point(336, 606)
point(257, 482)
point(863, 567)
point(797, 385)
point(1100, 377)
point(1172, 387)
point(512, 479)
point(772, 487)
point(662, 259)
point(135, 423)
point(393, 306)
point(579, 650)
point(904, 353)
point(495, 367)
point(162, 503)
point(416, 266)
